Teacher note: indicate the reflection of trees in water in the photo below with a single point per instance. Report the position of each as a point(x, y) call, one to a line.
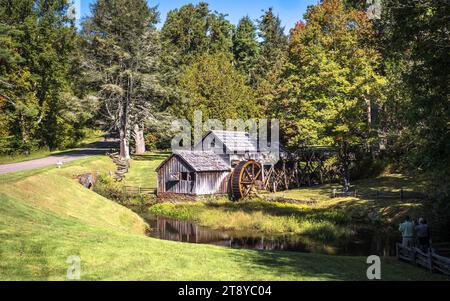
point(185, 231)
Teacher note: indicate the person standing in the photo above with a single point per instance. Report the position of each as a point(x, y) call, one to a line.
point(423, 234)
point(407, 230)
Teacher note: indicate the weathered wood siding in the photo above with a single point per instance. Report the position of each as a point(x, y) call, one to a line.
point(174, 166)
point(211, 182)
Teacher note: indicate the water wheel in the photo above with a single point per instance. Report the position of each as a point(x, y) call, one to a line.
point(245, 178)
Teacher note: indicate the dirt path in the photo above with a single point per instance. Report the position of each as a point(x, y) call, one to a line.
point(98, 148)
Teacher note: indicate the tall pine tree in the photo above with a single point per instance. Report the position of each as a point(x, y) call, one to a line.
point(122, 51)
point(246, 48)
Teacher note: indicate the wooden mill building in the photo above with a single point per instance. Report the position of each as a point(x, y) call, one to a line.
point(193, 173)
point(209, 167)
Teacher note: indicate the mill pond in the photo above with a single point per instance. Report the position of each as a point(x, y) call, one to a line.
point(366, 242)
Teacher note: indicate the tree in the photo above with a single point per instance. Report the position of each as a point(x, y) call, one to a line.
point(246, 48)
point(193, 30)
point(331, 80)
point(417, 38)
point(213, 86)
point(271, 58)
point(274, 41)
point(122, 49)
point(37, 40)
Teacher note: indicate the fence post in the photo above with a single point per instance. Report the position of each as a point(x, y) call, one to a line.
point(334, 193)
point(430, 259)
point(396, 250)
point(401, 194)
point(139, 189)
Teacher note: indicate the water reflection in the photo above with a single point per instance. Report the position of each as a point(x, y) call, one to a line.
point(184, 231)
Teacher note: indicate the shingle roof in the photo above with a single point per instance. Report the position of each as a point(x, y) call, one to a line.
point(202, 161)
point(237, 141)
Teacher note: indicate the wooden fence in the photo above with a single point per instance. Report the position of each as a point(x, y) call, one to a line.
point(430, 260)
point(381, 194)
point(138, 190)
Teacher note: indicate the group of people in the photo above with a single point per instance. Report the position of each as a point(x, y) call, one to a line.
point(415, 233)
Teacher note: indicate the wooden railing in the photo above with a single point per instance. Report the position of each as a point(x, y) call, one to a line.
point(138, 190)
point(381, 194)
point(430, 260)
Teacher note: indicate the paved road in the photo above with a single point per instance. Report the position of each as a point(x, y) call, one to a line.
point(98, 148)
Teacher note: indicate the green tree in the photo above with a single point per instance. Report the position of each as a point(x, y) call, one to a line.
point(39, 38)
point(271, 58)
point(213, 86)
point(331, 80)
point(417, 39)
point(273, 40)
point(122, 49)
point(246, 48)
point(193, 30)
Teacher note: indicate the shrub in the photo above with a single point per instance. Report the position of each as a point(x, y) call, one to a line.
point(109, 188)
point(150, 142)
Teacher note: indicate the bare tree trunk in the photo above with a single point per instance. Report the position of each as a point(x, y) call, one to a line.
point(124, 145)
point(139, 140)
point(369, 124)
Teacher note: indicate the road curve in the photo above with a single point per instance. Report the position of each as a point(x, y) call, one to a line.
point(98, 148)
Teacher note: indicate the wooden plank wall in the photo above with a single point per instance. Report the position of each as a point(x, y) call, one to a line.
point(174, 166)
point(212, 182)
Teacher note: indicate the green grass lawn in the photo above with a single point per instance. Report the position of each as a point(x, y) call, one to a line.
point(388, 210)
point(91, 136)
point(142, 171)
point(46, 216)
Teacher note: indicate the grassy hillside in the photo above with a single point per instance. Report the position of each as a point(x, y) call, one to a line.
point(46, 216)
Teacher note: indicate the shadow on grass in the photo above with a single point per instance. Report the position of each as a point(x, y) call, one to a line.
point(301, 266)
point(289, 265)
point(335, 215)
point(151, 157)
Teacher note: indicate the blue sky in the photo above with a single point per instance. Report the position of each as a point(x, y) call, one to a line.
point(290, 11)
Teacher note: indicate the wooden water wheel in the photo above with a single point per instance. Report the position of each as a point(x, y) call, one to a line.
point(245, 178)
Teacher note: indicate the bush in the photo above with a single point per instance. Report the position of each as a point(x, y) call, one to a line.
point(150, 142)
point(367, 167)
point(109, 188)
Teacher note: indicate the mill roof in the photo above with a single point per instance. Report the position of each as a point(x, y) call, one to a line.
point(201, 161)
point(234, 141)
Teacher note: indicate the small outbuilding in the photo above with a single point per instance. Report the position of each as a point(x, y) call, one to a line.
point(194, 173)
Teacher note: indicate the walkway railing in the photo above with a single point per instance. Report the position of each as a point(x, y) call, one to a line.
point(430, 260)
point(402, 194)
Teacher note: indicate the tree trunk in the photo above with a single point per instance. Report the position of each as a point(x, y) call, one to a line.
point(139, 140)
point(124, 145)
point(369, 124)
